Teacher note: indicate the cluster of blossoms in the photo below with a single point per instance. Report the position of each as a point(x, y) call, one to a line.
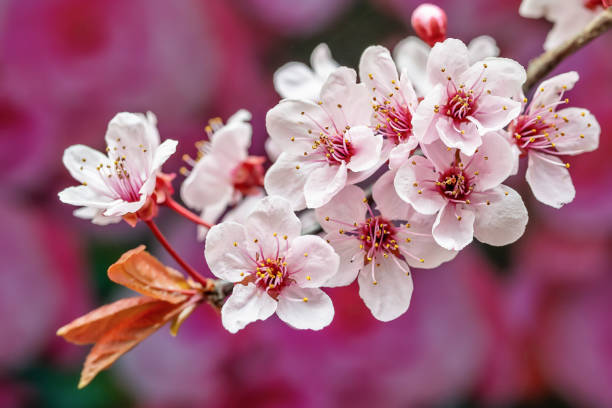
point(435, 157)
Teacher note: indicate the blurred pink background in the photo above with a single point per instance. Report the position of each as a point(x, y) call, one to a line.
point(522, 326)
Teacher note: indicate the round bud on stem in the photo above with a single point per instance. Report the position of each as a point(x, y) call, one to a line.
point(429, 22)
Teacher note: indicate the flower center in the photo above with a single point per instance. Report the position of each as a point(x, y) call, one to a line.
point(334, 147)
point(395, 122)
point(377, 236)
point(532, 132)
point(126, 175)
point(248, 176)
point(460, 105)
point(271, 275)
point(455, 184)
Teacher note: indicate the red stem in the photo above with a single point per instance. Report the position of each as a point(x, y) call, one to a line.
point(160, 237)
point(170, 203)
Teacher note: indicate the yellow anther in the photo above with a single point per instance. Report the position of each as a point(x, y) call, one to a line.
point(305, 299)
point(235, 244)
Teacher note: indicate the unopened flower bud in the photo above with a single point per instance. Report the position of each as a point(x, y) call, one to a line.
point(606, 3)
point(429, 22)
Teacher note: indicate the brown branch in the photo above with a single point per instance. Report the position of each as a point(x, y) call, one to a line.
point(541, 66)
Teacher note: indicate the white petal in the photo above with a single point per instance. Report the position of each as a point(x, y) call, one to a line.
point(323, 183)
point(311, 261)
point(411, 57)
point(399, 155)
point(305, 308)
point(82, 162)
point(377, 69)
point(296, 81)
point(454, 227)
point(424, 196)
point(246, 304)
point(208, 184)
point(419, 242)
point(162, 153)
point(549, 179)
point(347, 207)
point(226, 251)
point(272, 220)
point(390, 297)
point(322, 61)
point(482, 47)
point(287, 177)
point(120, 207)
point(366, 146)
point(504, 220)
point(85, 196)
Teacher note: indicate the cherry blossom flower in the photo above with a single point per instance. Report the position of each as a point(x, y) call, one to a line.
point(326, 144)
point(393, 98)
point(119, 183)
point(467, 101)
point(274, 268)
point(568, 16)
point(543, 134)
point(379, 248)
point(223, 173)
point(296, 80)
point(411, 55)
point(465, 192)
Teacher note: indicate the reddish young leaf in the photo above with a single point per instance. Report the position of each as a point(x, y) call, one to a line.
point(140, 271)
point(91, 327)
point(126, 334)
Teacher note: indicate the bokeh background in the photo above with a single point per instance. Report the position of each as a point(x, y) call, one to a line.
point(527, 325)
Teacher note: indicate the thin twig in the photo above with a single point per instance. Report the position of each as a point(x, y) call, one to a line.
point(541, 66)
point(170, 203)
point(162, 240)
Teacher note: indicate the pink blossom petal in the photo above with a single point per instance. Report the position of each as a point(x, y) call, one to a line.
point(322, 61)
point(423, 196)
point(464, 136)
point(162, 153)
point(399, 155)
point(226, 249)
point(345, 101)
point(305, 308)
point(271, 220)
point(312, 260)
point(351, 259)
point(367, 148)
point(454, 226)
point(209, 183)
point(495, 112)
point(549, 179)
point(418, 241)
point(503, 221)
point(492, 163)
point(439, 154)
point(387, 290)
point(425, 117)
point(323, 183)
point(287, 177)
point(448, 58)
point(377, 67)
point(504, 77)
point(347, 207)
point(85, 196)
point(288, 124)
point(550, 90)
point(390, 205)
point(579, 134)
point(246, 304)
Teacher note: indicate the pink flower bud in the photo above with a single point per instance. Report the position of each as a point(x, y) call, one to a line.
point(429, 22)
point(606, 3)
